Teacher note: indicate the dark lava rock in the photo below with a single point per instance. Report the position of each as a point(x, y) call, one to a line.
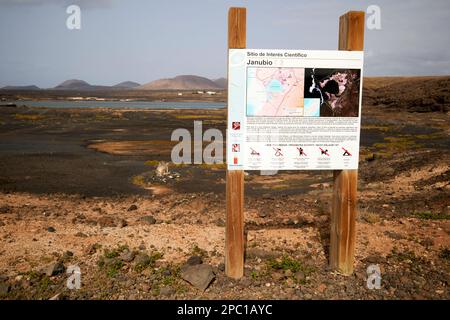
point(4, 288)
point(67, 255)
point(110, 262)
point(51, 229)
point(122, 223)
point(98, 210)
point(277, 276)
point(194, 260)
point(80, 216)
point(290, 222)
point(5, 209)
point(427, 242)
point(105, 222)
point(386, 171)
point(81, 234)
point(220, 223)
point(142, 260)
point(221, 267)
point(54, 269)
point(300, 276)
point(127, 256)
point(245, 282)
point(263, 213)
point(149, 219)
point(374, 259)
point(393, 235)
point(2, 223)
point(263, 254)
point(167, 291)
point(200, 276)
point(132, 207)
point(92, 248)
point(371, 157)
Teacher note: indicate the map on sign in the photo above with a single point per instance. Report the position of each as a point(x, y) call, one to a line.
point(275, 91)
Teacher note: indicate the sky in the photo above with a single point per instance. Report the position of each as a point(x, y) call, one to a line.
point(144, 40)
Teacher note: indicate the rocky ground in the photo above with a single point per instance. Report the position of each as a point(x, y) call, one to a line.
point(78, 188)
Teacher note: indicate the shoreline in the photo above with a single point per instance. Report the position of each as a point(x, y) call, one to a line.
point(113, 95)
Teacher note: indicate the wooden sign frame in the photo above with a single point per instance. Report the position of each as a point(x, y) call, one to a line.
point(234, 225)
point(343, 213)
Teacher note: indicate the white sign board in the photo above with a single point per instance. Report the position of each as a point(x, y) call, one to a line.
point(293, 109)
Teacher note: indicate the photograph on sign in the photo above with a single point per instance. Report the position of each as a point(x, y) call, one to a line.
point(332, 92)
point(297, 110)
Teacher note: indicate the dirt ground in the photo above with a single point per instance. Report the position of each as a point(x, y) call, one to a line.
point(78, 187)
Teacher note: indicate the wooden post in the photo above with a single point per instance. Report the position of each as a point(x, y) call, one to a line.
point(343, 215)
point(234, 228)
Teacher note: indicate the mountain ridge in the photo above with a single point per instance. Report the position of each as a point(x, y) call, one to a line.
point(29, 87)
point(181, 82)
point(127, 85)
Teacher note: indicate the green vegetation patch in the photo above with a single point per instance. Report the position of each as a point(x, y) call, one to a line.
point(383, 128)
point(139, 181)
point(399, 143)
point(41, 282)
point(428, 215)
point(152, 163)
point(406, 256)
point(29, 117)
point(198, 117)
point(110, 262)
point(147, 261)
point(212, 166)
point(286, 263)
point(197, 251)
point(431, 136)
point(445, 253)
point(370, 217)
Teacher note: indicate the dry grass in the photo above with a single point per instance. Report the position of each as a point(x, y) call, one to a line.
point(29, 117)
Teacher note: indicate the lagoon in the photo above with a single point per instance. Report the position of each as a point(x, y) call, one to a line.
point(68, 104)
